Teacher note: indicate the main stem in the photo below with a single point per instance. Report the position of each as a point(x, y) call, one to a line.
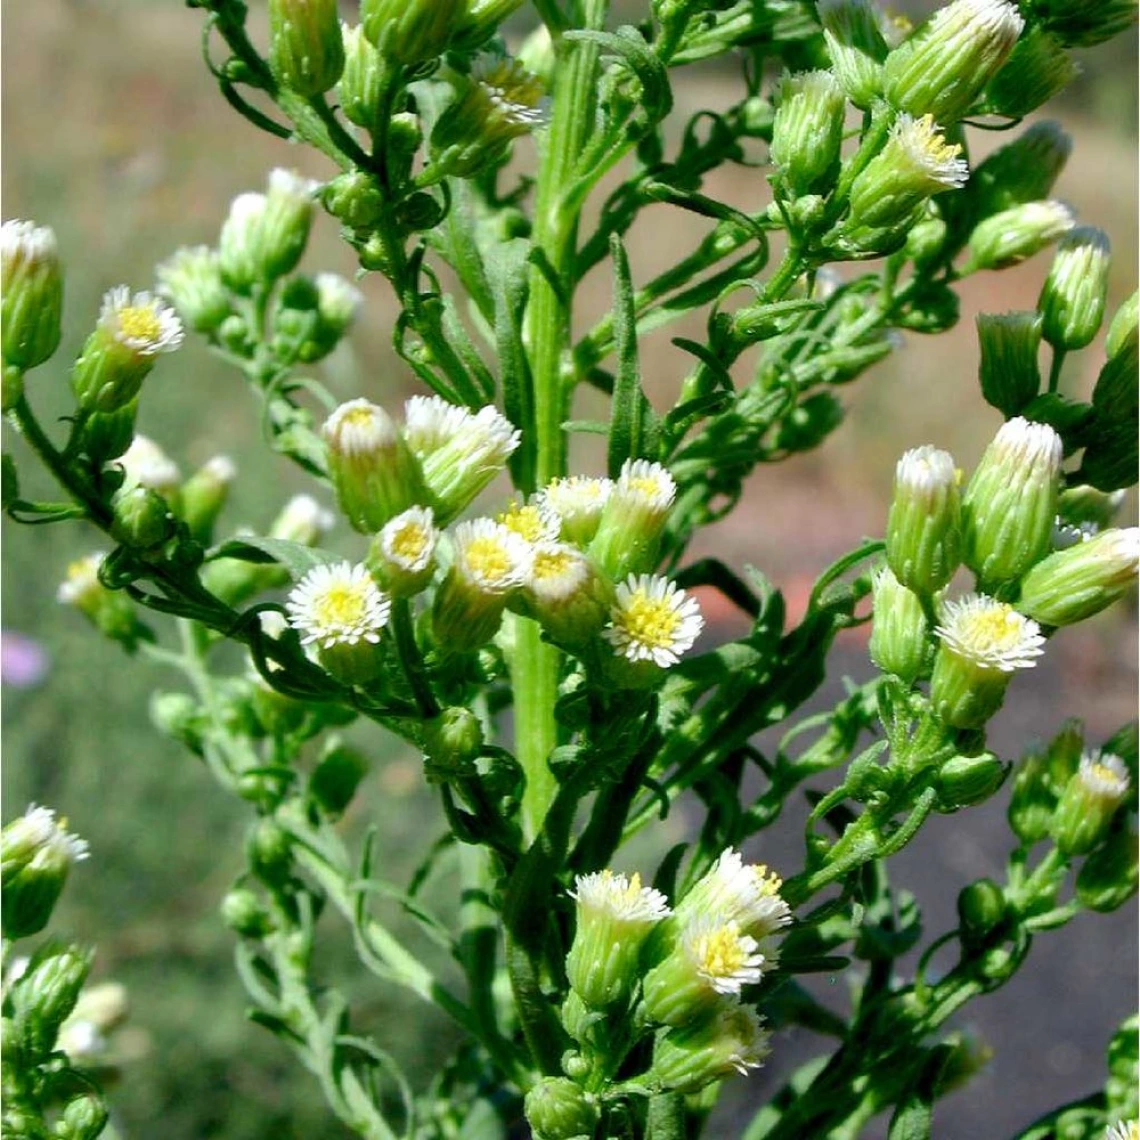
point(548, 340)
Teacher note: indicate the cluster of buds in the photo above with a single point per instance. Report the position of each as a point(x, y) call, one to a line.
point(1001, 528)
point(577, 557)
point(639, 968)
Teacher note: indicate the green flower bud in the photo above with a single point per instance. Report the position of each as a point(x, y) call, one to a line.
point(942, 67)
point(375, 474)
point(402, 557)
point(451, 743)
point(916, 162)
point(1072, 298)
point(83, 1118)
point(711, 959)
point(1038, 68)
point(356, 199)
point(339, 609)
point(1088, 803)
point(269, 849)
point(1074, 584)
point(178, 716)
point(1081, 24)
point(411, 32)
point(120, 353)
point(107, 435)
point(808, 132)
point(36, 853)
point(1013, 235)
point(633, 519)
point(1108, 877)
point(335, 779)
point(362, 81)
point(21, 1121)
point(1021, 171)
point(615, 915)
point(983, 642)
point(1010, 503)
point(1008, 366)
point(46, 992)
point(500, 101)
point(306, 54)
point(967, 780)
point(926, 241)
point(204, 495)
point(110, 611)
point(1032, 800)
point(558, 1109)
point(1123, 327)
point(732, 1040)
point(813, 419)
point(244, 914)
point(923, 526)
point(981, 910)
point(141, 518)
point(899, 635)
point(32, 283)
point(856, 46)
point(286, 221)
point(191, 279)
point(338, 305)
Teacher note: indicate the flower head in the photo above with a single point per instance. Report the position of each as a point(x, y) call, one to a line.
point(489, 556)
point(1123, 1130)
point(147, 465)
point(337, 604)
point(518, 98)
point(578, 502)
point(653, 620)
point(302, 520)
point(747, 894)
point(82, 581)
point(990, 634)
point(36, 853)
point(430, 422)
point(535, 521)
point(1089, 801)
point(689, 1058)
point(39, 828)
point(142, 323)
point(471, 450)
point(32, 295)
point(620, 897)
point(723, 956)
point(634, 516)
point(1011, 236)
point(402, 555)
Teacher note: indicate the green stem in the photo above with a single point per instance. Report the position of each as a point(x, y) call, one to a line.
point(1055, 367)
point(412, 659)
point(548, 335)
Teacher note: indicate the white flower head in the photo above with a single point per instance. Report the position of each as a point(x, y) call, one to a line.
point(430, 422)
point(1027, 444)
point(578, 502)
point(143, 323)
point(338, 300)
point(245, 210)
point(535, 521)
point(338, 604)
point(302, 520)
point(1104, 776)
point(39, 829)
point(359, 427)
point(82, 581)
point(558, 571)
point(220, 469)
point(289, 183)
point(147, 465)
point(488, 438)
point(653, 620)
point(619, 897)
point(990, 634)
point(490, 557)
point(742, 1025)
point(646, 482)
point(25, 242)
point(923, 147)
point(925, 471)
point(517, 97)
point(746, 893)
point(724, 957)
point(409, 540)
point(1123, 1130)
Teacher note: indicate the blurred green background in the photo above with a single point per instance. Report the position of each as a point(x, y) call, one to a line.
point(116, 137)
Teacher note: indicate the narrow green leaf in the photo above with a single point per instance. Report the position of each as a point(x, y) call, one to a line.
point(297, 559)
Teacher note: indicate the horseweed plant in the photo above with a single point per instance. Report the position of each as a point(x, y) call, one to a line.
point(591, 1002)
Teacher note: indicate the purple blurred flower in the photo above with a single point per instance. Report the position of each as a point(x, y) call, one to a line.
point(23, 661)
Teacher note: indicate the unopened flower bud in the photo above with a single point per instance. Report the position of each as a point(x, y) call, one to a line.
point(375, 475)
point(1081, 24)
point(808, 132)
point(302, 520)
point(615, 915)
point(339, 609)
point(1038, 68)
point(558, 1109)
point(191, 279)
point(1013, 235)
point(306, 54)
point(856, 46)
point(499, 101)
point(1024, 170)
point(356, 199)
point(1071, 585)
point(732, 1040)
point(1088, 803)
point(178, 716)
point(1008, 370)
point(1032, 799)
point(107, 435)
point(204, 495)
point(36, 853)
point(982, 644)
point(899, 634)
point(83, 1118)
point(981, 909)
point(566, 594)
point(411, 32)
point(1010, 503)
point(361, 82)
point(489, 562)
point(402, 556)
point(141, 518)
point(338, 305)
point(45, 993)
point(32, 283)
point(967, 780)
point(941, 68)
point(1108, 877)
point(1123, 327)
point(452, 742)
point(244, 914)
point(916, 162)
point(120, 353)
point(633, 519)
point(286, 222)
point(924, 526)
point(1073, 296)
